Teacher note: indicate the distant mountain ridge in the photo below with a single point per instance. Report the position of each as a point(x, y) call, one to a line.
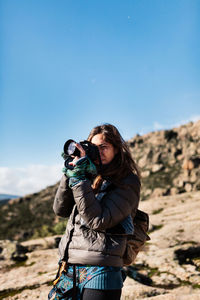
point(4, 198)
point(169, 161)
point(7, 196)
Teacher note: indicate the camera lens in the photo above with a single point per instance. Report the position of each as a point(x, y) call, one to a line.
point(71, 148)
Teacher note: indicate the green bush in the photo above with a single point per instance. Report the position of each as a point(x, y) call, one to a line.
point(59, 228)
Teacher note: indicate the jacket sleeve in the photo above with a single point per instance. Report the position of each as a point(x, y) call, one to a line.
point(64, 200)
point(117, 204)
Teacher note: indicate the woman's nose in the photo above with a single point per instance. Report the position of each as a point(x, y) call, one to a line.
point(100, 150)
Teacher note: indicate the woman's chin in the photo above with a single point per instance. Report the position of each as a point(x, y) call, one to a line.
point(104, 162)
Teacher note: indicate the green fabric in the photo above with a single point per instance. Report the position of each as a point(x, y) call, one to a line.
point(83, 166)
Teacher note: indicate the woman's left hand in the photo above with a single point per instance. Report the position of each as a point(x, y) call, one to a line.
point(82, 154)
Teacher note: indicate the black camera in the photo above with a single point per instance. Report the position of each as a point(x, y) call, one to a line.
point(91, 151)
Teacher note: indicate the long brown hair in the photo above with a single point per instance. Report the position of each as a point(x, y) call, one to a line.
point(122, 164)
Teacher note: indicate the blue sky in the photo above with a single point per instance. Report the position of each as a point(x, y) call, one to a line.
point(67, 66)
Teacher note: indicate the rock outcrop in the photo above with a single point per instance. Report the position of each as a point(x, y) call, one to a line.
point(169, 160)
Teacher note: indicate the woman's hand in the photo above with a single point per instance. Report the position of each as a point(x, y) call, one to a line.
point(81, 168)
point(82, 154)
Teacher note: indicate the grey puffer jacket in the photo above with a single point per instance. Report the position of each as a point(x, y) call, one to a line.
point(93, 235)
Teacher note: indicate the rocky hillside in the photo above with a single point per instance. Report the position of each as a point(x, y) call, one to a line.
point(167, 269)
point(31, 216)
point(169, 162)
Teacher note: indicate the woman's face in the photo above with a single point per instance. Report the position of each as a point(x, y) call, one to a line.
point(106, 150)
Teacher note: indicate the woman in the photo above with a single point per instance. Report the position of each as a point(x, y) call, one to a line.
point(100, 210)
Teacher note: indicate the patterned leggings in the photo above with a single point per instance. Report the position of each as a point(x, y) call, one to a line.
point(91, 294)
